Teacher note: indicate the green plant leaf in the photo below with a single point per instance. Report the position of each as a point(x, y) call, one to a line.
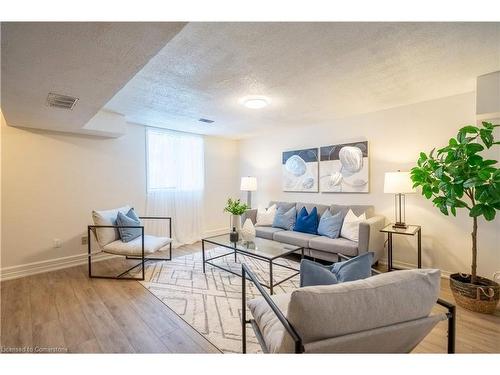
point(459, 190)
point(488, 161)
point(439, 172)
point(427, 191)
point(494, 192)
point(476, 211)
point(496, 176)
point(472, 182)
point(487, 137)
point(461, 137)
point(475, 160)
point(488, 212)
point(460, 203)
point(469, 129)
point(444, 209)
point(473, 148)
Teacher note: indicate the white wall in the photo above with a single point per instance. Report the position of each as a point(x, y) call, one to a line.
point(52, 181)
point(395, 136)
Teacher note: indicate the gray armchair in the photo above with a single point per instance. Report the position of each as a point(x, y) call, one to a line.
point(388, 313)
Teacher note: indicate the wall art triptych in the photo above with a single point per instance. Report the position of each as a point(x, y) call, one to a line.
point(341, 168)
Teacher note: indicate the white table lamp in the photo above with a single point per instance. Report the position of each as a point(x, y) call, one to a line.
point(248, 184)
point(398, 183)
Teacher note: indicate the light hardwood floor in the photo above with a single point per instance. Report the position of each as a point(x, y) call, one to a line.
point(65, 309)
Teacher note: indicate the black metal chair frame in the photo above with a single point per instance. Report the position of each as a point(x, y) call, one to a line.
point(247, 274)
point(142, 258)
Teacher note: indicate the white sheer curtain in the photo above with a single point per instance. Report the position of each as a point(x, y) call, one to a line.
point(175, 178)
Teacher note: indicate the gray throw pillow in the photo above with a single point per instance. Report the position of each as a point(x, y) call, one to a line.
point(128, 234)
point(330, 225)
point(284, 219)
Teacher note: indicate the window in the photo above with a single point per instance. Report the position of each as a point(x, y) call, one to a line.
point(174, 161)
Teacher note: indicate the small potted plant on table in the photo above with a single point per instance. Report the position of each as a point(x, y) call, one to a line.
point(236, 209)
point(458, 176)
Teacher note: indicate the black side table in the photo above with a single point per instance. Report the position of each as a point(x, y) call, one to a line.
point(410, 230)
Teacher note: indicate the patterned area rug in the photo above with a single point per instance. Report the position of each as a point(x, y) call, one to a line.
point(211, 302)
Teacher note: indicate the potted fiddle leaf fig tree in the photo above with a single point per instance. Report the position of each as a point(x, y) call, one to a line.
point(460, 176)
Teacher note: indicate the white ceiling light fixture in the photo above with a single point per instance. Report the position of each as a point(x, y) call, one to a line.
point(255, 102)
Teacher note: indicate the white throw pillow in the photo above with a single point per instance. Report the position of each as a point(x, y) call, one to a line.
point(265, 217)
point(350, 226)
point(108, 217)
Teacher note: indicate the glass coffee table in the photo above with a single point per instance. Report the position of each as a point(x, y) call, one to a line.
point(260, 248)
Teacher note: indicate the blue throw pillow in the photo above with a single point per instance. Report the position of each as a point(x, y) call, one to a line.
point(312, 273)
point(307, 223)
point(284, 219)
point(330, 225)
point(354, 269)
point(128, 234)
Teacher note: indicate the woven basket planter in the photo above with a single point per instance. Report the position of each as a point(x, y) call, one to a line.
point(481, 297)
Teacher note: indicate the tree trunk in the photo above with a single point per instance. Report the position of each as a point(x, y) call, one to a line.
point(474, 251)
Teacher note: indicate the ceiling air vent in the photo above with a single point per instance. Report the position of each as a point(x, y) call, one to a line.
point(205, 120)
point(61, 101)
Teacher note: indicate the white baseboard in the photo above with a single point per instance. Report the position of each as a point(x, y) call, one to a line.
point(407, 266)
point(22, 270)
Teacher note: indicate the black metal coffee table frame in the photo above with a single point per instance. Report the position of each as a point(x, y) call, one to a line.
point(236, 250)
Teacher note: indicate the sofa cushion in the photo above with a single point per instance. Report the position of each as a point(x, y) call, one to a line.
point(330, 225)
point(271, 328)
point(266, 232)
point(134, 247)
point(321, 312)
point(284, 218)
point(356, 268)
point(107, 217)
point(307, 222)
point(293, 238)
point(334, 245)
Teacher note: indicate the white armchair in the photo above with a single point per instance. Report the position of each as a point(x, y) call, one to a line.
point(105, 232)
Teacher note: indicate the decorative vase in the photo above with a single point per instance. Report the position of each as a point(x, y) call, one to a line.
point(248, 231)
point(481, 297)
point(236, 222)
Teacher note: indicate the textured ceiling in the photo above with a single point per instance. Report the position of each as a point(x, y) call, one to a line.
point(312, 72)
point(89, 60)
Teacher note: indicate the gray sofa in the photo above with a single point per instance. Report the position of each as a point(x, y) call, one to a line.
point(320, 247)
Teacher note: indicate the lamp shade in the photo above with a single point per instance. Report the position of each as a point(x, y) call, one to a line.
point(398, 183)
point(248, 184)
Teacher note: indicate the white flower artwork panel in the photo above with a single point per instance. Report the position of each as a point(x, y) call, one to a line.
point(300, 170)
point(344, 168)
